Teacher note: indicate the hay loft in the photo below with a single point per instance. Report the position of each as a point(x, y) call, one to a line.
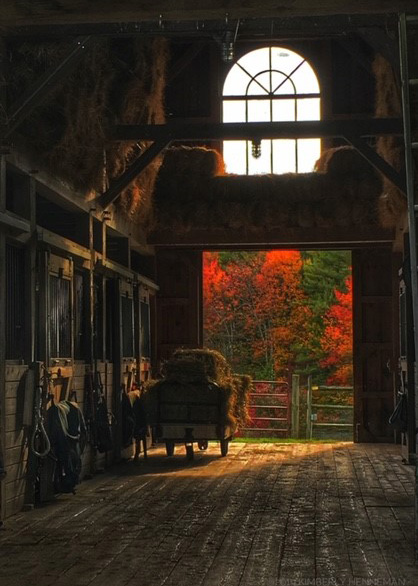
point(192, 191)
point(117, 81)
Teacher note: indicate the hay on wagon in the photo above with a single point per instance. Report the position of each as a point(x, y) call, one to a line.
point(198, 376)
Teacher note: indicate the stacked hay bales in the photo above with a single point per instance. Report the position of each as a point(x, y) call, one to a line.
point(392, 202)
point(192, 191)
point(197, 376)
point(117, 81)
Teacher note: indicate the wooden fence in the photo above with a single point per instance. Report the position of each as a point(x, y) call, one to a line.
point(329, 412)
point(270, 410)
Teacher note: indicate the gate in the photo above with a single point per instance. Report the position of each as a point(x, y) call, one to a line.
point(269, 409)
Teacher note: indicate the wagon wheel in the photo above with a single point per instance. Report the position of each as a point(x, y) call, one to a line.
point(224, 446)
point(203, 444)
point(169, 447)
point(189, 451)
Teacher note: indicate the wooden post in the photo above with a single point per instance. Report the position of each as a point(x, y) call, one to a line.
point(2, 341)
point(309, 409)
point(295, 405)
point(117, 367)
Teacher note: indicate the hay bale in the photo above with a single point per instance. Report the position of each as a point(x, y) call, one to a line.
point(192, 192)
point(184, 370)
point(215, 366)
point(346, 167)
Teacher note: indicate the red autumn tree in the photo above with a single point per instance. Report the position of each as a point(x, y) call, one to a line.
point(337, 341)
point(282, 308)
point(255, 310)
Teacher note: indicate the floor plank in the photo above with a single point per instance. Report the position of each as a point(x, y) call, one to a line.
point(265, 515)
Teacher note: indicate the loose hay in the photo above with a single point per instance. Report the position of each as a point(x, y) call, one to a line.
point(392, 204)
point(243, 386)
point(117, 81)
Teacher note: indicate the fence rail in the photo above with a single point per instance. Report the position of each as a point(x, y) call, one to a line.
point(342, 412)
point(270, 409)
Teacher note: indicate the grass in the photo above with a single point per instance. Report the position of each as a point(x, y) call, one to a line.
point(280, 440)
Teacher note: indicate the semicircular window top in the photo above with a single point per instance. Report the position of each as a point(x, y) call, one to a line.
point(272, 84)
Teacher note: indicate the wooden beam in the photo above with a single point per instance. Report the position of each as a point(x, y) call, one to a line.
point(14, 13)
point(185, 60)
point(2, 342)
point(378, 162)
point(258, 130)
point(14, 223)
point(40, 90)
point(308, 238)
point(131, 173)
point(272, 27)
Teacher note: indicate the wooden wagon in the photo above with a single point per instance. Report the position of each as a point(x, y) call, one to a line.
point(190, 414)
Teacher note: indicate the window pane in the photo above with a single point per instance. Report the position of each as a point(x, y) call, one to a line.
point(285, 60)
point(236, 82)
point(259, 111)
point(284, 156)
point(284, 110)
point(309, 151)
point(309, 109)
point(260, 85)
point(263, 163)
point(281, 84)
point(256, 61)
point(234, 156)
point(305, 80)
point(234, 111)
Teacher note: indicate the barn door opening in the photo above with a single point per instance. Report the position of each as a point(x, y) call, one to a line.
point(284, 317)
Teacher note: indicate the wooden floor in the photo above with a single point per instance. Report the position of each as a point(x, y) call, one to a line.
point(266, 515)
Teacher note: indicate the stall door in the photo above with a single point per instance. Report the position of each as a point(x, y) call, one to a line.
point(179, 313)
point(376, 331)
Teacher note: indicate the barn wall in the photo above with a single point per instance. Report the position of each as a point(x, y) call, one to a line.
point(376, 346)
point(37, 253)
point(179, 301)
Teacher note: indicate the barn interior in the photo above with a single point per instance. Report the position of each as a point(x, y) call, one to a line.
point(112, 184)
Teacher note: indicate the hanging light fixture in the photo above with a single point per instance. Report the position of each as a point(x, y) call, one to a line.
point(256, 148)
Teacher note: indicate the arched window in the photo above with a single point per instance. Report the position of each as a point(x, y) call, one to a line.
point(271, 84)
